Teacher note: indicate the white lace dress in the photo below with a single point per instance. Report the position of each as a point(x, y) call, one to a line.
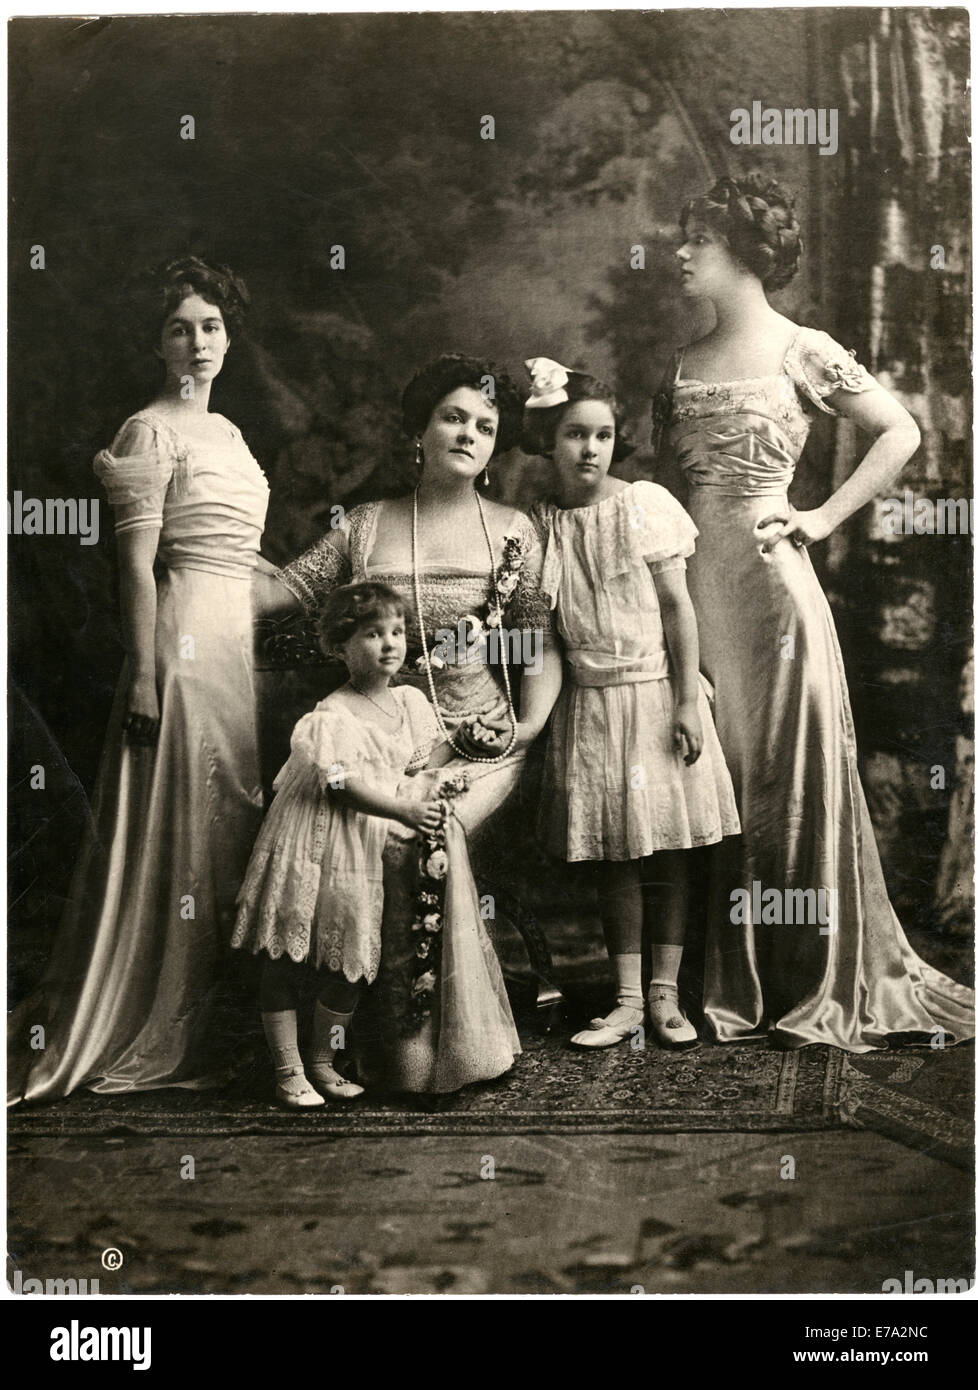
point(615, 785)
point(314, 886)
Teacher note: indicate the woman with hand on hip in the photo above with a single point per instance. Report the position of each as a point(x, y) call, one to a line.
point(737, 409)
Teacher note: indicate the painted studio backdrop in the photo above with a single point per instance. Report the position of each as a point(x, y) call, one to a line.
point(343, 165)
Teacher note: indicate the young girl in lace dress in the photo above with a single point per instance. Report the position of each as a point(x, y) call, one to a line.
point(633, 767)
point(313, 893)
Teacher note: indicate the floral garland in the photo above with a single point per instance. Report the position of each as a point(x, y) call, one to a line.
point(489, 614)
point(430, 905)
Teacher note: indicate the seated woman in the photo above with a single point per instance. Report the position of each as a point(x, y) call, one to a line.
point(459, 559)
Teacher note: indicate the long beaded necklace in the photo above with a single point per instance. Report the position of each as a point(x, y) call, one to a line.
point(472, 757)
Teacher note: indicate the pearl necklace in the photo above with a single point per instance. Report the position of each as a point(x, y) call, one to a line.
point(472, 757)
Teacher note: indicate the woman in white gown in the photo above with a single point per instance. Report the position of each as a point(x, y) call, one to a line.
point(738, 408)
point(126, 999)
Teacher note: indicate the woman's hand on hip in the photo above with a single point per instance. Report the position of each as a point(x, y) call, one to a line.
point(801, 528)
point(142, 721)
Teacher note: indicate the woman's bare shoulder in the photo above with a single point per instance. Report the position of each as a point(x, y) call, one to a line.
point(503, 510)
point(502, 515)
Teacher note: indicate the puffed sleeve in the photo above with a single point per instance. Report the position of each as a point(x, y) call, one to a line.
point(529, 608)
point(332, 743)
point(818, 365)
point(314, 574)
point(653, 529)
point(541, 516)
point(136, 473)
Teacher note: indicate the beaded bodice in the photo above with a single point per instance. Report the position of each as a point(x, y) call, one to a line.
point(448, 595)
point(744, 438)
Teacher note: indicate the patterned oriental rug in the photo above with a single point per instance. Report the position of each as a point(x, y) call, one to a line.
point(920, 1098)
point(925, 1099)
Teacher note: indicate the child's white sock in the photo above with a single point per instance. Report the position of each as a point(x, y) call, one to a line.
point(628, 975)
point(328, 1038)
point(325, 1041)
point(628, 983)
point(670, 1025)
point(281, 1034)
point(291, 1084)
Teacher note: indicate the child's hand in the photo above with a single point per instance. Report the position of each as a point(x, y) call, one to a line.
point(424, 816)
point(688, 729)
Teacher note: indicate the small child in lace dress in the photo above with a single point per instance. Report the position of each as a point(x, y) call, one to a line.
point(633, 765)
point(313, 893)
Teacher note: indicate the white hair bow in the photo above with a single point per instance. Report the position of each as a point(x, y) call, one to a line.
point(547, 382)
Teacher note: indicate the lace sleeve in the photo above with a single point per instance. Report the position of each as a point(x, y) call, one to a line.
point(319, 570)
point(551, 570)
point(818, 365)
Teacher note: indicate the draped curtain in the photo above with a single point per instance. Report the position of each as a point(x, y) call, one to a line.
point(900, 244)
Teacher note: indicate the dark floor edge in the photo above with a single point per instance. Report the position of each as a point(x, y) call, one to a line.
point(421, 1126)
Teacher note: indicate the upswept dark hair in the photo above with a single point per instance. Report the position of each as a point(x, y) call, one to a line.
point(446, 374)
point(351, 607)
point(158, 292)
point(540, 426)
point(757, 218)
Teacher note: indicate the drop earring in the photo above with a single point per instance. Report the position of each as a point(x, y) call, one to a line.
point(485, 477)
point(418, 454)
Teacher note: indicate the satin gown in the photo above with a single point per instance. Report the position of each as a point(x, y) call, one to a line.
point(127, 996)
point(471, 1035)
point(769, 645)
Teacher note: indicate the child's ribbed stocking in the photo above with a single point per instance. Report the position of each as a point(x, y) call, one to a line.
point(281, 1034)
point(329, 1030)
point(628, 988)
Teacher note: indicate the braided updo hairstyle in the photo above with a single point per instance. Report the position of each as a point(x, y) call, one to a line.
point(757, 218)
